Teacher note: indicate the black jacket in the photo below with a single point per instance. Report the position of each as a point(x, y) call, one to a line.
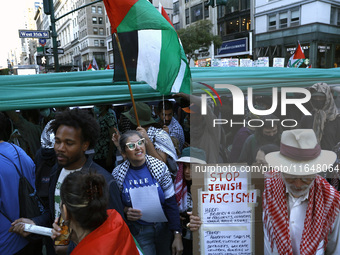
point(115, 201)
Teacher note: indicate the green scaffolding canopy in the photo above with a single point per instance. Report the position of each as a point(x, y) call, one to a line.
point(88, 88)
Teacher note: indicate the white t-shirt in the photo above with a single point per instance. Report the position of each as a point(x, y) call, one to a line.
point(57, 199)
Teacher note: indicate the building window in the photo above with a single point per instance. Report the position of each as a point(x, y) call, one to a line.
point(196, 13)
point(283, 20)
point(335, 16)
point(289, 18)
point(206, 12)
point(176, 8)
point(100, 20)
point(101, 31)
point(110, 45)
point(233, 26)
point(294, 17)
point(102, 43)
point(272, 22)
point(220, 11)
point(94, 20)
point(93, 9)
point(96, 43)
point(95, 31)
point(245, 4)
point(100, 10)
point(187, 16)
point(245, 23)
point(232, 6)
point(176, 26)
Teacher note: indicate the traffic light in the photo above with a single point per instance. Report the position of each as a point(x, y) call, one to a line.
point(47, 8)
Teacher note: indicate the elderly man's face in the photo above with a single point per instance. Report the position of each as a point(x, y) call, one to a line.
point(298, 186)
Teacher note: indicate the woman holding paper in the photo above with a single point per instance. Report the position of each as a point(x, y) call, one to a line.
point(95, 229)
point(145, 182)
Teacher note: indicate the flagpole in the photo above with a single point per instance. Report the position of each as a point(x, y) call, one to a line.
point(127, 78)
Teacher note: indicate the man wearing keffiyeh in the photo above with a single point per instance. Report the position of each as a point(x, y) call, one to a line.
point(300, 208)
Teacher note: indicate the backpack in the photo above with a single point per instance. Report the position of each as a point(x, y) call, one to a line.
point(29, 202)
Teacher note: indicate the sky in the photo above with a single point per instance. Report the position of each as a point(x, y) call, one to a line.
point(11, 20)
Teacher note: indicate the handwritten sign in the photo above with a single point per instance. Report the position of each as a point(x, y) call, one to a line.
point(226, 180)
point(278, 62)
point(227, 208)
point(228, 242)
point(246, 62)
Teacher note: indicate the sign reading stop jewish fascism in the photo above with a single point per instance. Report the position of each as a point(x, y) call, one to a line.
point(226, 209)
point(34, 34)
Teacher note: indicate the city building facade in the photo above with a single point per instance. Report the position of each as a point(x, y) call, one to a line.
point(281, 24)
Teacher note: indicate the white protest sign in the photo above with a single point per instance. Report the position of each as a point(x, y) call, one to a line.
point(233, 241)
point(278, 62)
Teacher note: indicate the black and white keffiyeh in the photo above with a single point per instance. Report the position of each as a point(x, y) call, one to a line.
point(176, 130)
point(162, 141)
point(158, 170)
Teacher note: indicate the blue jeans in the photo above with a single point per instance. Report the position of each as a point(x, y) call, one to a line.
point(154, 239)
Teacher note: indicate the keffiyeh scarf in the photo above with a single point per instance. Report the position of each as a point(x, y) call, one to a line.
point(183, 197)
point(323, 208)
point(328, 113)
point(158, 170)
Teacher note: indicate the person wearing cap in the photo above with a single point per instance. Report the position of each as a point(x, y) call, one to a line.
point(183, 181)
point(300, 208)
point(325, 119)
point(158, 142)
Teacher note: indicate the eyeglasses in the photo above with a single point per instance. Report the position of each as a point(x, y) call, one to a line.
point(132, 146)
point(307, 179)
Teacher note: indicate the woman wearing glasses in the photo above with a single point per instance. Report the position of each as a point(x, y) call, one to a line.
point(138, 171)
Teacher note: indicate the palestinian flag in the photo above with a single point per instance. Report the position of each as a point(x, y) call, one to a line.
point(297, 58)
point(151, 47)
point(90, 68)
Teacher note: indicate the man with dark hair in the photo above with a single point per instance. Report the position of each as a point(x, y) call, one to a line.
point(10, 243)
point(75, 132)
point(169, 123)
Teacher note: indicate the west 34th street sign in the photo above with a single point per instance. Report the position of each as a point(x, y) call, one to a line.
point(34, 34)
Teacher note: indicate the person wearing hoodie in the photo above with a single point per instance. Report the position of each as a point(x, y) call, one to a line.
point(325, 118)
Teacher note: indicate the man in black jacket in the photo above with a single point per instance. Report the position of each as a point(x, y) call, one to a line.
point(76, 131)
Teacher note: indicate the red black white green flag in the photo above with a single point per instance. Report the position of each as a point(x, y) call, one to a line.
point(151, 47)
point(297, 58)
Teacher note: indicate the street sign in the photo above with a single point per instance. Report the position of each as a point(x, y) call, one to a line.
point(34, 34)
point(42, 41)
point(49, 51)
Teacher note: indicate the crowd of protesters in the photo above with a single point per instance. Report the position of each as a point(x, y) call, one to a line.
point(64, 151)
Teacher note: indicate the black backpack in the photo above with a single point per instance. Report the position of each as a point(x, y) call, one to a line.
point(29, 202)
